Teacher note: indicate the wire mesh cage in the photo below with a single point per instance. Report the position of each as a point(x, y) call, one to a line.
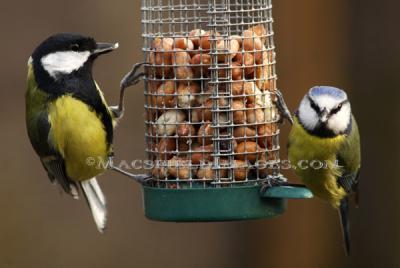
point(212, 128)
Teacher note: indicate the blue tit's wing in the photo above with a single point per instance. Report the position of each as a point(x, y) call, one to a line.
point(349, 182)
point(349, 158)
point(38, 131)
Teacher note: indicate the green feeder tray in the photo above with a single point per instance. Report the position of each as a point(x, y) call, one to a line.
point(218, 204)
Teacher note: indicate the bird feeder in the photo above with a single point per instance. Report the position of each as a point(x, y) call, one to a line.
point(212, 125)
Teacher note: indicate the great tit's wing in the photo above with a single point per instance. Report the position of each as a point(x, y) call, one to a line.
point(38, 130)
point(55, 168)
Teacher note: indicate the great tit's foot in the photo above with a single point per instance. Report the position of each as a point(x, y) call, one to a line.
point(282, 107)
point(139, 178)
point(132, 78)
point(116, 111)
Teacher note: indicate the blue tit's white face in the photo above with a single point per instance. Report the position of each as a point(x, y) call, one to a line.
point(325, 111)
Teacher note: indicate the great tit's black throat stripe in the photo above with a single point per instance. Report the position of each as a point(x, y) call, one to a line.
point(80, 85)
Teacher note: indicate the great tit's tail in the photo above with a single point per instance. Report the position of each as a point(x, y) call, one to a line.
point(96, 201)
point(344, 220)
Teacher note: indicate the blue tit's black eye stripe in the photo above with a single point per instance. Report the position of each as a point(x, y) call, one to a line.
point(314, 106)
point(338, 108)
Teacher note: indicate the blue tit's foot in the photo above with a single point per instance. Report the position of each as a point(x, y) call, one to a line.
point(282, 107)
point(140, 178)
point(278, 182)
point(272, 182)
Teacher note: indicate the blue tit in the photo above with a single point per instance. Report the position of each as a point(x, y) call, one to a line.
point(67, 118)
point(324, 148)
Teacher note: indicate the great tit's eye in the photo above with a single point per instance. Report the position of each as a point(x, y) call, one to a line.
point(75, 47)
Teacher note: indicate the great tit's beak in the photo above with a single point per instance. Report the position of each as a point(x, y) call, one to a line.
point(102, 48)
point(323, 117)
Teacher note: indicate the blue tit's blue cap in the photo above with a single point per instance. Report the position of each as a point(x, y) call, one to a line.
point(326, 90)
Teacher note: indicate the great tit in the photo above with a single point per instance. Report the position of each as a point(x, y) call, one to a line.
point(69, 123)
point(324, 148)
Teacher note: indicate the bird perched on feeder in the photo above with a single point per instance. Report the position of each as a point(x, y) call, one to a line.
point(324, 146)
point(69, 123)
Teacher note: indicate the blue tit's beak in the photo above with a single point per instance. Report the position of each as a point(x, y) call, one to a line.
point(324, 115)
point(102, 48)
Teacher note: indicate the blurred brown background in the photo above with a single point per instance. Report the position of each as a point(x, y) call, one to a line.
point(350, 44)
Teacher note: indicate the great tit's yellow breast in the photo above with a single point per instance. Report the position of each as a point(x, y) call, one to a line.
point(314, 161)
point(79, 135)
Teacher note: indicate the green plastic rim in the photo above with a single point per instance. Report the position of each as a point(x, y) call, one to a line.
point(210, 204)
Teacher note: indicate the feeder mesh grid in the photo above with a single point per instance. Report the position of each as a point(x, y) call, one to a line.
point(209, 85)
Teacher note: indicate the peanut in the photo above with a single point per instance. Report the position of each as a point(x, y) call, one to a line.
point(165, 148)
point(181, 60)
point(187, 94)
point(239, 115)
point(247, 61)
point(248, 150)
point(201, 64)
point(166, 123)
point(165, 95)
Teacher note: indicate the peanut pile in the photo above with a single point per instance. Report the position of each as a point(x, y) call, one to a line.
point(180, 99)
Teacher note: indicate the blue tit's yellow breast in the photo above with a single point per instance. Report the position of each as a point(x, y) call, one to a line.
point(78, 134)
point(314, 161)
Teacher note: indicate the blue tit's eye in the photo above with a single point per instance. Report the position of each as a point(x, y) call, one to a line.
point(75, 47)
point(337, 109)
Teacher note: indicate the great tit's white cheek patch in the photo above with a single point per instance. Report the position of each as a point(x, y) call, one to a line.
point(307, 115)
point(64, 62)
point(339, 122)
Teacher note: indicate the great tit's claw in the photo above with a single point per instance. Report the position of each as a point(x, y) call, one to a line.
point(140, 178)
point(116, 111)
point(282, 107)
point(132, 78)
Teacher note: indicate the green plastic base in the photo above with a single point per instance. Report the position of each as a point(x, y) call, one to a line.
point(289, 192)
point(215, 204)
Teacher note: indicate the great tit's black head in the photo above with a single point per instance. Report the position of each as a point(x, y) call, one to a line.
point(63, 54)
point(325, 111)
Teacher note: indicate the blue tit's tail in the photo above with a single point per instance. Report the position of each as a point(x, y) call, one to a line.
point(96, 201)
point(344, 220)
